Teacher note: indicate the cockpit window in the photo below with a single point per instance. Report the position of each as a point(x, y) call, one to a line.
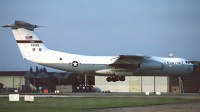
point(187, 62)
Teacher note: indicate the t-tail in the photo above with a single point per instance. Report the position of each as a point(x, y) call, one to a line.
point(29, 43)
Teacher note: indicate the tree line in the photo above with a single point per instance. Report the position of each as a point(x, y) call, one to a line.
point(37, 70)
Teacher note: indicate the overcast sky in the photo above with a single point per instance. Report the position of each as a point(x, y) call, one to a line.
point(104, 27)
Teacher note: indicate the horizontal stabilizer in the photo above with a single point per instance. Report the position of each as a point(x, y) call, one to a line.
point(28, 42)
point(21, 24)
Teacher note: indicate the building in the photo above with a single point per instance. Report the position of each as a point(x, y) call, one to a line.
point(190, 85)
point(150, 84)
point(28, 81)
point(134, 84)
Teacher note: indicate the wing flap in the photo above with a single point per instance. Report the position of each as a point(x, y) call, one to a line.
point(131, 61)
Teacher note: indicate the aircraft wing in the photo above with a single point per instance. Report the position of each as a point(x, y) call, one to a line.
point(131, 61)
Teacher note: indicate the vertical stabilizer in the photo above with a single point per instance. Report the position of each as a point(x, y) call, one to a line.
point(29, 43)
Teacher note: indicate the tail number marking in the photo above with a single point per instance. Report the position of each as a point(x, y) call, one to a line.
point(35, 45)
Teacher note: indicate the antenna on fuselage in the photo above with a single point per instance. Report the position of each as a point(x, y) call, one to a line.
point(170, 55)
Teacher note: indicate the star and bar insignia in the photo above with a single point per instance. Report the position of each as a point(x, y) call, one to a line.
point(75, 64)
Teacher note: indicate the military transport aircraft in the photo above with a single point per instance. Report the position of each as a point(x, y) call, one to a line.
point(114, 67)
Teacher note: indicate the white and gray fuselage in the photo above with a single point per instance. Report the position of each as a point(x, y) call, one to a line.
point(33, 49)
point(102, 65)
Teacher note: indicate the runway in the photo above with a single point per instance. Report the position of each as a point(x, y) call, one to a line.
point(114, 94)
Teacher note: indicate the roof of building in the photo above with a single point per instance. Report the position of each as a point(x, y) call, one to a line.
point(12, 73)
point(28, 74)
point(42, 75)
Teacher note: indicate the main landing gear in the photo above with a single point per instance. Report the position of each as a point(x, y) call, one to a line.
point(116, 78)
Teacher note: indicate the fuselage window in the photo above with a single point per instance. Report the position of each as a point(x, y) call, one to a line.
point(187, 62)
point(60, 59)
point(40, 49)
point(33, 49)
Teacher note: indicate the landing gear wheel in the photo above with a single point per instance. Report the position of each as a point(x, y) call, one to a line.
point(113, 79)
point(109, 79)
point(116, 78)
point(122, 78)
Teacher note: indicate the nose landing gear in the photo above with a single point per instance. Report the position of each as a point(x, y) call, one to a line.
point(183, 77)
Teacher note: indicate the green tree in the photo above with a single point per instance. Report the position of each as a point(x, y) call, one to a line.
point(71, 80)
point(1, 85)
point(45, 70)
point(31, 69)
point(37, 70)
point(40, 70)
point(51, 82)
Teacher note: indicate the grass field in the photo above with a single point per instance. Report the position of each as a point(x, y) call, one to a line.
point(77, 104)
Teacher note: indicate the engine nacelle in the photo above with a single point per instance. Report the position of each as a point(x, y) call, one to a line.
point(151, 66)
point(106, 71)
point(123, 72)
point(116, 72)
